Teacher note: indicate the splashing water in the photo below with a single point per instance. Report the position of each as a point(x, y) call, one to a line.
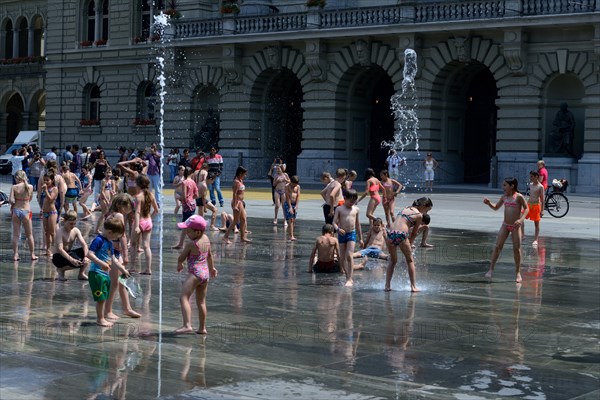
point(404, 108)
point(161, 22)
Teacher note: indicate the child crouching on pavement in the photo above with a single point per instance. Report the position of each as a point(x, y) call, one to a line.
point(327, 252)
point(102, 255)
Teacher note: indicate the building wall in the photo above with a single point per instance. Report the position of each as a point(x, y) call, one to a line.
point(330, 66)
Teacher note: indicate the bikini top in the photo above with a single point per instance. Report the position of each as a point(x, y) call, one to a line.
point(387, 184)
point(242, 187)
point(408, 217)
point(511, 201)
point(374, 188)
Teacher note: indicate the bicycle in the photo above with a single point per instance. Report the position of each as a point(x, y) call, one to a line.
point(555, 200)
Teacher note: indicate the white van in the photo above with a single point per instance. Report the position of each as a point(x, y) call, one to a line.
point(24, 138)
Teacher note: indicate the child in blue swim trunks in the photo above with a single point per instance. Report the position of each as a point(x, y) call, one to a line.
point(374, 243)
point(345, 221)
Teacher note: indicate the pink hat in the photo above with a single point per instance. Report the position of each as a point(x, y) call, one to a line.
point(195, 222)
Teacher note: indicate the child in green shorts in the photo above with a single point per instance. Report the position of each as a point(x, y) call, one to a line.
point(102, 254)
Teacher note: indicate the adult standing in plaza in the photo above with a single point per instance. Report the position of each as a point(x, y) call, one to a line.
point(543, 174)
point(99, 166)
point(273, 173)
point(51, 155)
point(36, 168)
point(67, 156)
point(153, 159)
point(173, 162)
point(86, 155)
point(76, 162)
point(215, 165)
point(17, 162)
point(393, 162)
point(185, 160)
point(430, 165)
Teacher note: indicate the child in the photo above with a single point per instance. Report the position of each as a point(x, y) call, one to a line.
point(352, 175)
point(86, 190)
point(48, 195)
point(101, 254)
point(204, 203)
point(536, 205)
point(279, 184)
point(372, 189)
point(346, 223)
point(407, 224)
point(65, 257)
point(290, 207)
point(226, 220)
point(239, 207)
point(391, 188)
point(424, 230)
point(327, 253)
point(515, 210)
point(20, 206)
point(374, 242)
point(188, 201)
point(73, 185)
point(333, 195)
point(178, 190)
point(144, 201)
point(107, 191)
point(120, 206)
point(200, 267)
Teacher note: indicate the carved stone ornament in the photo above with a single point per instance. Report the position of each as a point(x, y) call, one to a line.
point(232, 61)
point(315, 60)
point(363, 52)
point(273, 54)
point(463, 49)
point(513, 50)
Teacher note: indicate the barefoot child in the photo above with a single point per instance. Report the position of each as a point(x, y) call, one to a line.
point(391, 188)
point(372, 189)
point(73, 184)
point(536, 205)
point(204, 203)
point(326, 251)
point(515, 210)
point(67, 258)
point(144, 203)
point(290, 205)
point(48, 196)
point(279, 184)
point(20, 206)
point(101, 254)
point(345, 221)
point(120, 206)
point(406, 224)
point(374, 243)
point(189, 192)
point(86, 190)
point(200, 268)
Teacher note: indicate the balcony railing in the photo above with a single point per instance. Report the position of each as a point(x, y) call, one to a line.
point(408, 13)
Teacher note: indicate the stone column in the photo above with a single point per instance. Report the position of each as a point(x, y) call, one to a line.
point(15, 43)
point(30, 41)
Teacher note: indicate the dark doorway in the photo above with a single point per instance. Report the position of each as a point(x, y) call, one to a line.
point(382, 121)
point(14, 119)
point(284, 119)
point(480, 127)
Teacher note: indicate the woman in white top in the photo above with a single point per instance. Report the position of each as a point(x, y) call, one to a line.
point(430, 165)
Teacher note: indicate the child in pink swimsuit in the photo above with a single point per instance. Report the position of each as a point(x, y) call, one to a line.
point(200, 268)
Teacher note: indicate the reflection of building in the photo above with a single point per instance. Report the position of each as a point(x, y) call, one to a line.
point(314, 84)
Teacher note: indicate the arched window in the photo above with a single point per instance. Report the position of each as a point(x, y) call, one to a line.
point(8, 40)
point(91, 109)
point(146, 104)
point(23, 38)
point(38, 37)
point(90, 22)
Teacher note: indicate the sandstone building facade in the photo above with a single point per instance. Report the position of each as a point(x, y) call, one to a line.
point(312, 84)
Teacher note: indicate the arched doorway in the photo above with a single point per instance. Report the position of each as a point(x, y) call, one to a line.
point(205, 118)
point(367, 92)
point(283, 118)
point(14, 119)
point(480, 126)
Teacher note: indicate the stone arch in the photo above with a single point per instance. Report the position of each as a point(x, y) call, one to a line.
point(289, 58)
point(7, 94)
point(13, 104)
point(204, 75)
point(142, 74)
point(365, 76)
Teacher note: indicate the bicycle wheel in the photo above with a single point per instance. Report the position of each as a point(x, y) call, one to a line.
point(557, 205)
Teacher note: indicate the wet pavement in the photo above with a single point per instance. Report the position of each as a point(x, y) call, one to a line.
point(278, 332)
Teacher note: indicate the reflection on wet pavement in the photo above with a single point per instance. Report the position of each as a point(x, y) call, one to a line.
point(276, 331)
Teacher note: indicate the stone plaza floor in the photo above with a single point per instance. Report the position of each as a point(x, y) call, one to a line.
point(276, 331)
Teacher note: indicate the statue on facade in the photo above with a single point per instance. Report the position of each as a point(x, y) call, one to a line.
point(563, 133)
point(209, 131)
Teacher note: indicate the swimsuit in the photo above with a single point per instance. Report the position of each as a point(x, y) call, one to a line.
point(71, 195)
point(348, 237)
point(49, 213)
point(511, 201)
point(326, 267)
point(290, 212)
point(408, 219)
point(374, 193)
point(509, 227)
point(535, 212)
point(198, 265)
point(22, 213)
point(429, 174)
point(397, 237)
point(146, 224)
point(371, 251)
